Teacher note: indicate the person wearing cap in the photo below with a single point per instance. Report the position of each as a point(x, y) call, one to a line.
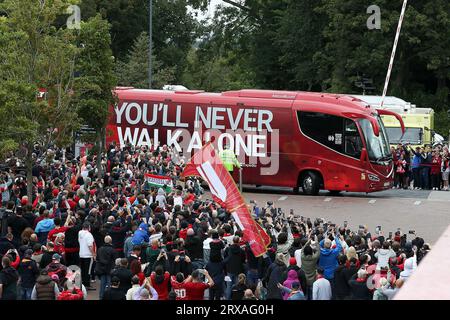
point(87, 254)
point(57, 268)
point(114, 292)
point(28, 272)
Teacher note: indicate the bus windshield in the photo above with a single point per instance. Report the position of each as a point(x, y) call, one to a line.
point(412, 135)
point(377, 147)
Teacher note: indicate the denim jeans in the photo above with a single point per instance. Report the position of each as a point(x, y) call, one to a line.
point(252, 277)
point(26, 293)
point(230, 285)
point(105, 281)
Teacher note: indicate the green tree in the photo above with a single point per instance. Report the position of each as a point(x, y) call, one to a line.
point(134, 71)
point(94, 87)
point(174, 28)
point(35, 55)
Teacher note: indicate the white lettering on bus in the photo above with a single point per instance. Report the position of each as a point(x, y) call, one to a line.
point(138, 113)
point(180, 124)
point(119, 112)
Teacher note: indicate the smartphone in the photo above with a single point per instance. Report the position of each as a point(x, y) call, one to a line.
point(345, 224)
point(291, 211)
point(378, 229)
point(361, 226)
point(412, 232)
point(390, 235)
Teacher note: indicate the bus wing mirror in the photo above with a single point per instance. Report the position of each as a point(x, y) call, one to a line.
point(393, 114)
point(364, 155)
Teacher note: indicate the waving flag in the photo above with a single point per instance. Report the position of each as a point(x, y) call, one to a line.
point(207, 164)
point(159, 181)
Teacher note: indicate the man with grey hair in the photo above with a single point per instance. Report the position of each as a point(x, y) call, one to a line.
point(106, 256)
point(329, 253)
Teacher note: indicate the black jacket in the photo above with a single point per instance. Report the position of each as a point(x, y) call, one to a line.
point(71, 237)
point(124, 276)
point(8, 278)
point(28, 271)
point(5, 245)
point(194, 247)
point(341, 285)
point(359, 290)
point(274, 276)
point(236, 262)
point(217, 272)
point(114, 294)
point(106, 257)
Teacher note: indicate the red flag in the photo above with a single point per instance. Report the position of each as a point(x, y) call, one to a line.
point(207, 164)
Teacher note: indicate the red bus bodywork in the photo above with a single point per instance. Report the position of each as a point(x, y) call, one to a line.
point(259, 118)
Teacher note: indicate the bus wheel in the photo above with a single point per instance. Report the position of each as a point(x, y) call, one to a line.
point(311, 183)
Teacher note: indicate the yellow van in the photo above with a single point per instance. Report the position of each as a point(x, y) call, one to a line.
point(419, 122)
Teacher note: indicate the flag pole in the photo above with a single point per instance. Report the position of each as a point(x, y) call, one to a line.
point(394, 49)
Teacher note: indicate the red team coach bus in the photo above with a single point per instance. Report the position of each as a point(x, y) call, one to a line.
point(290, 139)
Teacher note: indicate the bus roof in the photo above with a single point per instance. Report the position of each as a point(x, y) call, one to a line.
point(332, 103)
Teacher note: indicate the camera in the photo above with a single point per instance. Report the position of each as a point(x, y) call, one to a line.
point(270, 203)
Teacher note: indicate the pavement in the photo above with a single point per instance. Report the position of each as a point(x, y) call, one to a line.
point(425, 212)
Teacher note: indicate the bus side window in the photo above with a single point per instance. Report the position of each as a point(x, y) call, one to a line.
point(352, 140)
point(323, 128)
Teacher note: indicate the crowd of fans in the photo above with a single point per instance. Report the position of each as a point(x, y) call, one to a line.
point(419, 168)
point(140, 242)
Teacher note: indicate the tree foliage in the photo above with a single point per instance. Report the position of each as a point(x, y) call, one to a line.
point(94, 87)
point(35, 56)
point(134, 71)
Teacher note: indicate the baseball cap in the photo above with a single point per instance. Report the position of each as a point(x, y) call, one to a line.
point(56, 257)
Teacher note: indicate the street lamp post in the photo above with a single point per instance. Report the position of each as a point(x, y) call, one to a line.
point(150, 35)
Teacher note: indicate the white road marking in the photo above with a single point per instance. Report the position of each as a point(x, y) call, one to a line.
point(417, 203)
point(372, 201)
point(282, 198)
point(328, 199)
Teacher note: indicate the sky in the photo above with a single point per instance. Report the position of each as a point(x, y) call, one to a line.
point(211, 9)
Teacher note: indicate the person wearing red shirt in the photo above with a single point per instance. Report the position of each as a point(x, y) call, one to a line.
point(58, 229)
point(136, 270)
point(178, 285)
point(160, 281)
point(195, 288)
point(435, 172)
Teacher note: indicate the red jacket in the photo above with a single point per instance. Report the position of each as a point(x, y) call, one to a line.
point(75, 294)
point(436, 165)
